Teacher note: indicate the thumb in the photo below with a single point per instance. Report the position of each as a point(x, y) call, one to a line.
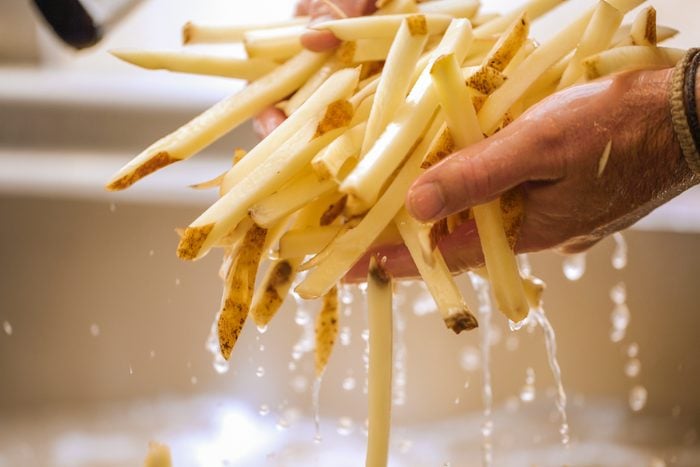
point(479, 174)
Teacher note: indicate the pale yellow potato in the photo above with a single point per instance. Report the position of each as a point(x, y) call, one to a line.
point(326, 331)
point(195, 33)
point(377, 27)
point(630, 58)
point(275, 44)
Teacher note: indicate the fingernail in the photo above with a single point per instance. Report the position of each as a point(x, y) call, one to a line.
point(426, 201)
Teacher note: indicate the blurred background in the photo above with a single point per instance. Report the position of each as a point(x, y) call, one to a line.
point(103, 329)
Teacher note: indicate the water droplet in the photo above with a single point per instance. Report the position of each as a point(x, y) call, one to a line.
point(616, 335)
point(424, 304)
point(299, 384)
point(151, 252)
point(638, 398)
point(618, 294)
point(302, 317)
point(262, 329)
point(487, 428)
point(220, 364)
point(446, 464)
point(527, 393)
point(260, 372)
point(318, 438)
point(152, 354)
point(349, 383)
point(517, 326)
point(657, 462)
point(365, 335)
point(131, 369)
point(524, 264)
point(282, 424)
point(193, 380)
point(94, 330)
point(345, 426)
point(177, 281)
point(619, 256)
point(620, 317)
point(362, 287)
point(512, 343)
point(112, 207)
point(574, 266)
point(7, 327)
point(466, 385)
point(633, 367)
point(633, 350)
point(564, 433)
point(292, 366)
point(457, 401)
point(470, 358)
point(345, 295)
point(261, 347)
point(263, 410)
point(405, 445)
point(345, 335)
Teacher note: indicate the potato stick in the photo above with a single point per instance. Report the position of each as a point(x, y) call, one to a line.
point(314, 82)
point(208, 184)
point(194, 33)
point(437, 277)
point(377, 27)
point(218, 120)
point(362, 111)
point(623, 37)
point(483, 18)
point(326, 330)
point(365, 50)
point(302, 242)
point(198, 63)
point(643, 30)
point(339, 86)
point(498, 255)
point(547, 83)
point(629, 58)
point(274, 287)
point(395, 79)
point(534, 288)
point(534, 9)
point(369, 177)
point(454, 8)
point(158, 455)
point(329, 163)
point(595, 39)
point(532, 67)
point(276, 43)
point(508, 44)
point(528, 47)
point(238, 289)
point(380, 365)
point(480, 47)
point(269, 176)
point(290, 198)
point(339, 256)
point(393, 7)
point(483, 79)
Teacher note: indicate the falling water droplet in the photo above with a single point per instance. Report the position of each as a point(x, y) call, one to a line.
point(633, 350)
point(345, 426)
point(618, 294)
point(220, 364)
point(657, 462)
point(112, 207)
point(527, 393)
point(260, 372)
point(299, 384)
point(638, 398)
point(524, 264)
point(574, 266)
point(633, 367)
point(131, 369)
point(349, 383)
point(302, 317)
point(94, 330)
point(264, 409)
point(177, 281)
point(512, 343)
point(193, 380)
point(405, 445)
point(151, 252)
point(619, 256)
point(620, 317)
point(345, 295)
point(7, 327)
point(470, 358)
point(345, 335)
point(262, 329)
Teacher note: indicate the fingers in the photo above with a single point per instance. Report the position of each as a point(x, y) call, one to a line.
point(482, 172)
point(268, 120)
point(321, 41)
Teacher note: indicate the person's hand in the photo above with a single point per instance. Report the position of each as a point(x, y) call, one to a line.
point(316, 41)
point(553, 154)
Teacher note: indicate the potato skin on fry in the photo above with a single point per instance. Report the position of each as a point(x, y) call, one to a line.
point(326, 330)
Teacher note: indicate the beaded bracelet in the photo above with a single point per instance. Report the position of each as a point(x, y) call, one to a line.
point(684, 113)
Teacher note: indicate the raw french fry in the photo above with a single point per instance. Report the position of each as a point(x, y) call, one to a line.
point(643, 31)
point(595, 39)
point(332, 65)
point(238, 289)
point(380, 324)
point(377, 27)
point(437, 277)
point(198, 63)
point(528, 47)
point(393, 7)
point(534, 9)
point(158, 455)
point(326, 330)
point(454, 8)
point(483, 79)
point(483, 18)
point(290, 198)
point(633, 57)
point(334, 159)
point(208, 184)
point(365, 50)
point(339, 86)
point(218, 120)
point(310, 241)
point(508, 44)
point(194, 33)
point(480, 47)
point(369, 177)
point(276, 44)
point(396, 76)
point(603, 161)
point(269, 176)
point(547, 83)
point(623, 35)
point(339, 256)
point(498, 254)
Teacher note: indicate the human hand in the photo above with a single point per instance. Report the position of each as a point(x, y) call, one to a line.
point(317, 41)
point(552, 154)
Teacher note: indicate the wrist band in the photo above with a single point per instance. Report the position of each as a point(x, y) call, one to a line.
point(684, 114)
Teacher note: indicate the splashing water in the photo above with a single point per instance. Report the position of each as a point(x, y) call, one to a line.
point(470, 358)
point(574, 266)
point(633, 368)
point(219, 363)
point(483, 294)
point(551, 345)
point(619, 256)
point(527, 393)
point(316, 408)
point(399, 350)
